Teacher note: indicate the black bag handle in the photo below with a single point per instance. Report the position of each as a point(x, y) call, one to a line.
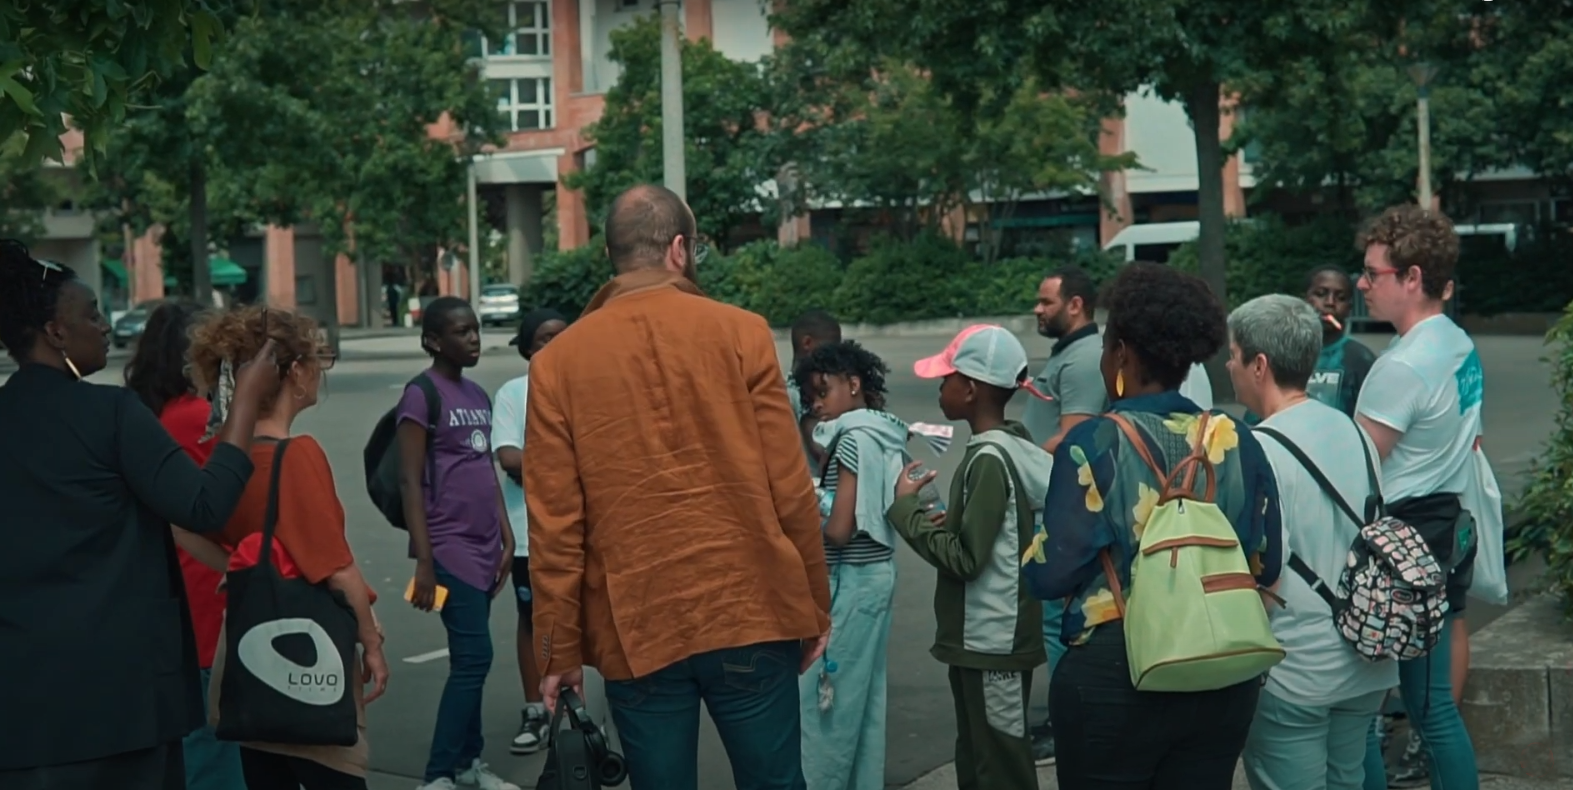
point(270, 518)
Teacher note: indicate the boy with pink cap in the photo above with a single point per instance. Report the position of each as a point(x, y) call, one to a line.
point(990, 630)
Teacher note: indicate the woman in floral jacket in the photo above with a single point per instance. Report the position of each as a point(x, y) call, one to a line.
point(1101, 493)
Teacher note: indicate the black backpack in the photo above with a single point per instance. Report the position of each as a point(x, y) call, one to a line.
point(578, 756)
point(382, 454)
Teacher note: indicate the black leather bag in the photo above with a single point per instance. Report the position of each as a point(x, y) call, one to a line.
point(578, 757)
point(290, 652)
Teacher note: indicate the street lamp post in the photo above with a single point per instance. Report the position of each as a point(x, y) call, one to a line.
point(673, 167)
point(475, 238)
point(1422, 73)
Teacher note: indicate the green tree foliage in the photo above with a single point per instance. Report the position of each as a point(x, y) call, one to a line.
point(879, 133)
point(89, 59)
point(724, 136)
point(1345, 116)
point(25, 191)
point(1187, 51)
point(314, 111)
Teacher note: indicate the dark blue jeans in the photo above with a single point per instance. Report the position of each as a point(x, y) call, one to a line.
point(751, 693)
point(456, 742)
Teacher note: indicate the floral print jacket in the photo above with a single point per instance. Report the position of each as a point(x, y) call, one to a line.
point(1101, 494)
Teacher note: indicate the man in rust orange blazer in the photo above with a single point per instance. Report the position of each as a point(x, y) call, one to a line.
point(674, 534)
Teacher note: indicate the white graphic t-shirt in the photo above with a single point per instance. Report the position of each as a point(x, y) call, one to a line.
point(508, 431)
point(1429, 387)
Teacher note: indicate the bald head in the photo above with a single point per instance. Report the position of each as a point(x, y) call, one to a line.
point(643, 223)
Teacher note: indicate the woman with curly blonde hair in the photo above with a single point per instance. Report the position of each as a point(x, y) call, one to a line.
point(309, 532)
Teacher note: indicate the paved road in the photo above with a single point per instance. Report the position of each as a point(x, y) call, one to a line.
point(1519, 411)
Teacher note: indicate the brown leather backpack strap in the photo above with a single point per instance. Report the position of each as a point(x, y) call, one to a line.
point(1182, 480)
point(1140, 445)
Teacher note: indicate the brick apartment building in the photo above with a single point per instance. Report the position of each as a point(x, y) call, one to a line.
point(552, 70)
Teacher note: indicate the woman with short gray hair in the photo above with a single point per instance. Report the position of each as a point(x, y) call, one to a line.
point(1314, 711)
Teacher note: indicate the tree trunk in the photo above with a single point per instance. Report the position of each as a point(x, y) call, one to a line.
point(1202, 105)
point(201, 270)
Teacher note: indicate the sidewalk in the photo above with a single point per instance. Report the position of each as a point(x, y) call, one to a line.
point(944, 778)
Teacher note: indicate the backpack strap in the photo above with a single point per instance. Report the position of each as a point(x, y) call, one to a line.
point(1295, 563)
point(428, 388)
point(1184, 490)
point(1179, 482)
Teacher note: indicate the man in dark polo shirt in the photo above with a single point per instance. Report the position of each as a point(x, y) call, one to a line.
point(1071, 379)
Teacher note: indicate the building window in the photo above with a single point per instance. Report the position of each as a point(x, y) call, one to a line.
point(530, 31)
point(525, 103)
point(627, 4)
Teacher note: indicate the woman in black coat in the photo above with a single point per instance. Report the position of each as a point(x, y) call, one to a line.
point(98, 673)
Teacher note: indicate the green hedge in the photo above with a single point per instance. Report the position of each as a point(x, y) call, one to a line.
point(1267, 256)
point(930, 277)
point(1546, 506)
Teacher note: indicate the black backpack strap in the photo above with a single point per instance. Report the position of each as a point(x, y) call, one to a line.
point(1321, 479)
point(428, 388)
point(270, 518)
point(1295, 563)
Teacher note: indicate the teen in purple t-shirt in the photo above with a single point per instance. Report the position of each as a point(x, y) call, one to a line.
point(459, 534)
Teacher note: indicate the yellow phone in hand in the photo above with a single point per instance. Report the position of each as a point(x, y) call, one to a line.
point(437, 602)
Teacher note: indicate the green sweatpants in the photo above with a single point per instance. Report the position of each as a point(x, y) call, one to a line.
point(993, 749)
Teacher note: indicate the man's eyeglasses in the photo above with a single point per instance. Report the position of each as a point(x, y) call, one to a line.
point(1369, 274)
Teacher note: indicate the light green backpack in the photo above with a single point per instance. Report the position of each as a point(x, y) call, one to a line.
point(1194, 620)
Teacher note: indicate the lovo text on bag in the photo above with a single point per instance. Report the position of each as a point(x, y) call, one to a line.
point(381, 456)
point(278, 691)
point(1391, 600)
point(1194, 621)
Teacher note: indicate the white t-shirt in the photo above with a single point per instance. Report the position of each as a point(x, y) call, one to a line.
point(1198, 387)
point(508, 431)
point(1320, 668)
point(1428, 387)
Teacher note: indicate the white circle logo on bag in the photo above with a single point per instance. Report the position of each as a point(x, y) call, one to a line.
point(320, 684)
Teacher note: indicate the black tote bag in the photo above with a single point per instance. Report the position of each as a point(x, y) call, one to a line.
point(291, 652)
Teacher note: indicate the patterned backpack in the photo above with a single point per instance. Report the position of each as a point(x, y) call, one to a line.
point(1391, 598)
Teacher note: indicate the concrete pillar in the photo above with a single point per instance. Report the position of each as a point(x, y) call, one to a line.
point(278, 256)
point(573, 221)
point(145, 262)
point(1233, 193)
point(523, 203)
point(1117, 214)
point(347, 288)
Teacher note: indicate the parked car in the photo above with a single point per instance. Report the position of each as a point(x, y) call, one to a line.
point(499, 304)
point(128, 329)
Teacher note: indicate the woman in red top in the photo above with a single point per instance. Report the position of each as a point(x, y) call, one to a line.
point(157, 374)
point(309, 530)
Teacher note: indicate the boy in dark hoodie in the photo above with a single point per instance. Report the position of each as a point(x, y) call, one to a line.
point(990, 630)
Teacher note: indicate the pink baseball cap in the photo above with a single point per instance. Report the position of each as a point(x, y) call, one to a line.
point(982, 352)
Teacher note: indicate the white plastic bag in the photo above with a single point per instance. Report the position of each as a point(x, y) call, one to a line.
point(1483, 499)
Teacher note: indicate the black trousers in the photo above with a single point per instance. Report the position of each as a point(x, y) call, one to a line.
point(269, 771)
point(159, 768)
point(1109, 736)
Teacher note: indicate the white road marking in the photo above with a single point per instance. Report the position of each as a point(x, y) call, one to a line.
point(425, 657)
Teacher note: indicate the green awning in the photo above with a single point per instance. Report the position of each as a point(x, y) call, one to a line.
point(226, 272)
point(115, 269)
point(221, 271)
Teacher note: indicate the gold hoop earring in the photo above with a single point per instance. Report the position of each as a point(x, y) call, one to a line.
point(71, 365)
point(1119, 384)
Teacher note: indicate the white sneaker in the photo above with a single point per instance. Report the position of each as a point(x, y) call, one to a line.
point(438, 784)
point(479, 775)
